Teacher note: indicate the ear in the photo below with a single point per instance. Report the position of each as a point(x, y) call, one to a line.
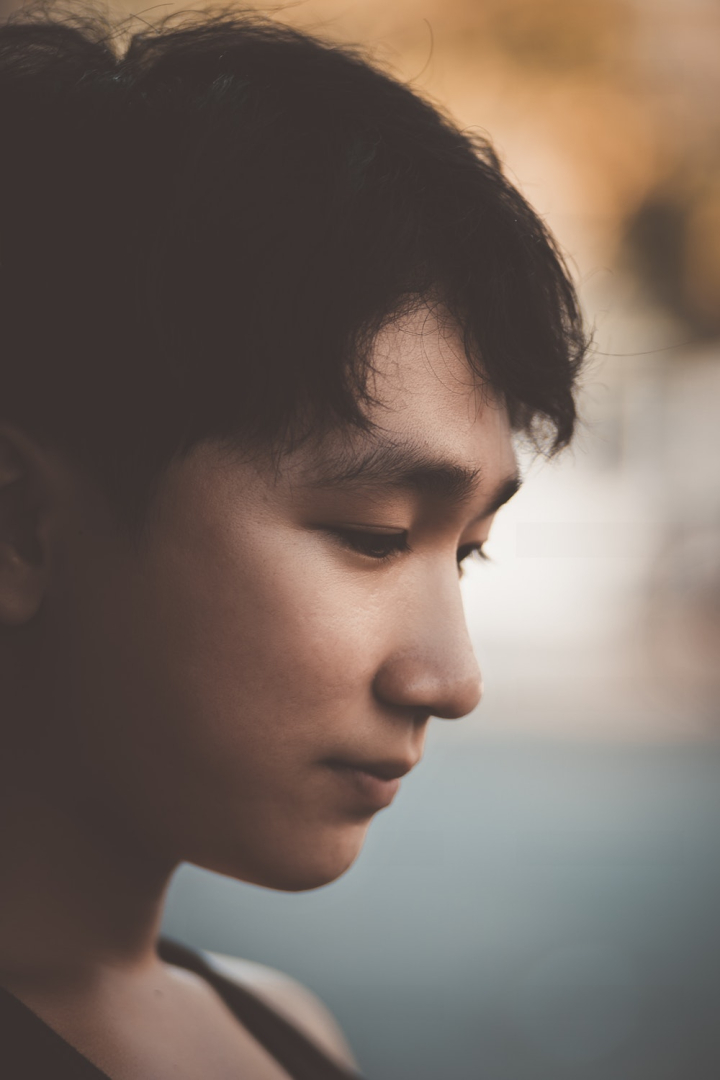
point(23, 556)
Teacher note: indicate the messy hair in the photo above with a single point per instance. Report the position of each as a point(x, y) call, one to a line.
point(203, 232)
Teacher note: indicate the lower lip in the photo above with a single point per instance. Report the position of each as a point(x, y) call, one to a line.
point(372, 790)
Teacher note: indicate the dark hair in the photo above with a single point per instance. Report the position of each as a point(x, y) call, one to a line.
point(202, 237)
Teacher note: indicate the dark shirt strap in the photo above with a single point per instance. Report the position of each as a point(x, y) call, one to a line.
point(31, 1050)
point(292, 1049)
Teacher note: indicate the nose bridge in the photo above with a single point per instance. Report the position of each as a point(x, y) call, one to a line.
point(433, 666)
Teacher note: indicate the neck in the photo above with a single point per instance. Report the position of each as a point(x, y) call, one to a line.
point(76, 894)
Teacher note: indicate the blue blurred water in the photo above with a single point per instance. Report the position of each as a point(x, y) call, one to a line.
point(524, 911)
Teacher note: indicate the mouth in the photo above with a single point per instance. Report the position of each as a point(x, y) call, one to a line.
point(375, 783)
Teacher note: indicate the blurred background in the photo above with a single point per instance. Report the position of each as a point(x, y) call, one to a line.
point(542, 901)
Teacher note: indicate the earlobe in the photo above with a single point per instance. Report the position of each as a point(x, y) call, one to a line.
point(22, 560)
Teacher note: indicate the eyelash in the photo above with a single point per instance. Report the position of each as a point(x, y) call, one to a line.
point(382, 547)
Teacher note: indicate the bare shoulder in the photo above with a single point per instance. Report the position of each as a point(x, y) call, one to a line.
point(292, 1000)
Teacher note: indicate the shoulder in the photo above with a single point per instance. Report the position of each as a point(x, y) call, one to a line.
point(292, 1000)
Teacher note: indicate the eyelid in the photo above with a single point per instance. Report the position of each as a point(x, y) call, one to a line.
point(475, 548)
point(382, 544)
point(466, 551)
point(363, 540)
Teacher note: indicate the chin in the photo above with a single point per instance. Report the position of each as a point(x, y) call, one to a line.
point(301, 879)
point(305, 866)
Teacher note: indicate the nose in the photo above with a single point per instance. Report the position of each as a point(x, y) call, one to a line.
point(432, 669)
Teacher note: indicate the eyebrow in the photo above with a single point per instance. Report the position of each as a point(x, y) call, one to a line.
point(504, 493)
point(410, 468)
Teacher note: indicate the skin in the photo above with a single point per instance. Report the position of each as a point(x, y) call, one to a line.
point(185, 700)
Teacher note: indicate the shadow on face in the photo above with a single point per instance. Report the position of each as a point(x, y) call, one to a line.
point(245, 692)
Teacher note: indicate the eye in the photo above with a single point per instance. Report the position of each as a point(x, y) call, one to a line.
point(468, 551)
point(376, 545)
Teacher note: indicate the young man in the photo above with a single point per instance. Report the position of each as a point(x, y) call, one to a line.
point(269, 326)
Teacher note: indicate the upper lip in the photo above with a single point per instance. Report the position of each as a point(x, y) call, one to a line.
point(383, 770)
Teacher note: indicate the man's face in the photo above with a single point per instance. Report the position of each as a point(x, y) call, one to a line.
point(281, 630)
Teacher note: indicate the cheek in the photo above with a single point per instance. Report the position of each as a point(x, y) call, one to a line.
point(267, 639)
point(206, 684)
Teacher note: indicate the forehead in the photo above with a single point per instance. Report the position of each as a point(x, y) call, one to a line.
point(427, 402)
point(422, 379)
point(435, 428)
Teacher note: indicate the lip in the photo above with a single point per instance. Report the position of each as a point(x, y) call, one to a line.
point(376, 783)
